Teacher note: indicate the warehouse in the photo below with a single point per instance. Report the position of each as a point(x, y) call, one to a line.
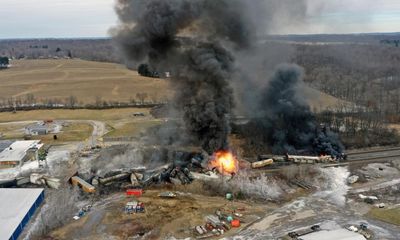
point(338, 234)
point(17, 206)
point(20, 152)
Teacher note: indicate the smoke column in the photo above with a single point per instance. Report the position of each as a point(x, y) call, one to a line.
point(286, 119)
point(201, 67)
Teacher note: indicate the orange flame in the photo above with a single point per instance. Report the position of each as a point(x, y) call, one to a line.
point(225, 162)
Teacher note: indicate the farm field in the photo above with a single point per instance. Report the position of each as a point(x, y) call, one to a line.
point(79, 114)
point(87, 81)
point(90, 81)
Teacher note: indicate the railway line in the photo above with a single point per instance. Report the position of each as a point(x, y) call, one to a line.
point(353, 158)
point(374, 153)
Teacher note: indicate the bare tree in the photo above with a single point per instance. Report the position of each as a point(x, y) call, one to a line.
point(30, 99)
point(142, 97)
point(72, 101)
point(98, 101)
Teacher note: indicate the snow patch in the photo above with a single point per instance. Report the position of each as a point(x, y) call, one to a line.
point(333, 185)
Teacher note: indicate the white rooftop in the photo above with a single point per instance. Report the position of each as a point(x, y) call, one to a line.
point(14, 205)
point(17, 150)
point(339, 234)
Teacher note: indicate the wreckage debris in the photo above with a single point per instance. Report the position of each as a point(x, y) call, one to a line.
point(43, 180)
point(134, 207)
point(83, 211)
point(229, 196)
point(352, 179)
point(86, 187)
point(218, 224)
point(134, 192)
point(263, 163)
point(183, 171)
point(167, 195)
point(235, 223)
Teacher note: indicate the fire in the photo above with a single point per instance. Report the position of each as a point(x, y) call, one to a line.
point(225, 162)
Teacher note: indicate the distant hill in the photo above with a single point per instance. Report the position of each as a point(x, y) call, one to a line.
point(102, 49)
point(96, 49)
point(366, 38)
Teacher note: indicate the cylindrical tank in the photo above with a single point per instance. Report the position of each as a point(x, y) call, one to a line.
point(262, 163)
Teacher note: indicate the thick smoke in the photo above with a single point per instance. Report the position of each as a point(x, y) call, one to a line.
point(288, 124)
point(202, 69)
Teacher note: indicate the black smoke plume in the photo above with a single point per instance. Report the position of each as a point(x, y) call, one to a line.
point(288, 124)
point(201, 67)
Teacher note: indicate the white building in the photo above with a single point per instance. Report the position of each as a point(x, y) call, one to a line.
point(20, 152)
point(339, 234)
point(17, 206)
point(36, 129)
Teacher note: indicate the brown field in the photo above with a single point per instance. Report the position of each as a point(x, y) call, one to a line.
point(80, 114)
point(50, 79)
point(391, 216)
point(72, 132)
point(59, 79)
point(119, 122)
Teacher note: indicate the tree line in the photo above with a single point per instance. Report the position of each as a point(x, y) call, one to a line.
point(30, 102)
point(367, 75)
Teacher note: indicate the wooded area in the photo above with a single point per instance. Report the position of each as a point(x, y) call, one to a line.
point(362, 70)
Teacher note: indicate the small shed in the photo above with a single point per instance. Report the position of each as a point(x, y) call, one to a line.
point(36, 129)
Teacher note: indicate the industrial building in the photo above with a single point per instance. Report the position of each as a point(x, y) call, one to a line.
point(20, 152)
point(17, 206)
point(37, 129)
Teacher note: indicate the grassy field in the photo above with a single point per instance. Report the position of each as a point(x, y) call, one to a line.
point(80, 114)
point(50, 79)
point(120, 122)
point(12, 131)
point(386, 215)
point(131, 128)
point(71, 132)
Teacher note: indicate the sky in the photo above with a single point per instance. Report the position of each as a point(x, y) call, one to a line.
point(94, 18)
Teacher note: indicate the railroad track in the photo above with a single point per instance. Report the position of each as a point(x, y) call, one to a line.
point(374, 151)
point(364, 160)
point(354, 158)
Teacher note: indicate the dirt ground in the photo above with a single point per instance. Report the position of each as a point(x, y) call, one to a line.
point(163, 217)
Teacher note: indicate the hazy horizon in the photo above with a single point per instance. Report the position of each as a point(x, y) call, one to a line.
point(28, 19)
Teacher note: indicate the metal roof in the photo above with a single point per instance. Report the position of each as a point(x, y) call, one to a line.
point(17, 150)
point(339, 234)
point(15, 203)
point(5, 144)
point(36, 127)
